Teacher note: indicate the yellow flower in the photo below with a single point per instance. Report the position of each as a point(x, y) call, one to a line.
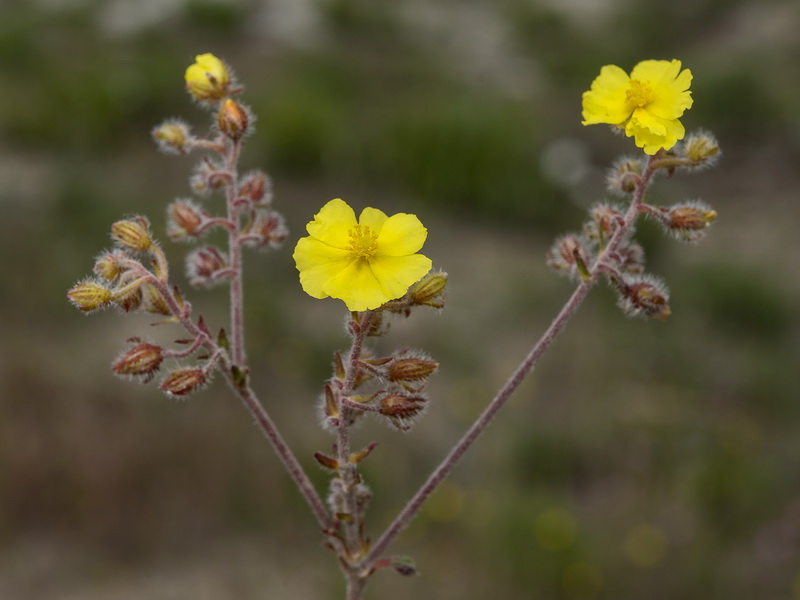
point(208, 78)
point(365, 263)
point(647, 104)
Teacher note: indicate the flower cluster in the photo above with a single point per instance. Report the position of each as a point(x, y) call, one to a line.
point(646, 105)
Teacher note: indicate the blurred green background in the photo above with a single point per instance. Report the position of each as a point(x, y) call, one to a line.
point(641, 460)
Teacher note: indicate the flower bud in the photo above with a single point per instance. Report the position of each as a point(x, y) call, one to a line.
point(89, 296)
point(206, 266)
point(184, 220)
point(172, 137)
point(267, 230)
point(701, 148)
point(233, 119)
point(604, 220)
point(429, 291)
point(183, 381)
point(132, 233)
point(410, 369)
point(624, 176)
point(110, 266)
point(644, 296)
point(566, 252)
point(208, 79)
point(630, 257)
point(256, 189)
point(402, 410)
point(689, 221)
point(142, 360)
point(208, 176)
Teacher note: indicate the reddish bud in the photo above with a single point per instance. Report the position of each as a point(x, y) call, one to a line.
point(256, 189)
point(183, 381)
point(565, 254)
point(233, 119)
point(409, 369)
point(184, 219)
point(402, 410)
point(142, 360)
point(644, 296)
point(206, 266)
point(689, 221)
point(267, 230)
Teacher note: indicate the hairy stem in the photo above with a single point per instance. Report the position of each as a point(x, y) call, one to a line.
point(444, 468)
point(235, 255)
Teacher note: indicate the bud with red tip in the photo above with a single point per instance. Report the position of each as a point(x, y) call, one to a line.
point(143, 360)
point(183, 381)
point(256, 189)
point(206, 266)
point(233, 119)
point(402, 410)
point(644, 296)
point(185, 220)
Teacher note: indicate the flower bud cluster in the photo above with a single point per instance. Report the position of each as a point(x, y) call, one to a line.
point(605, 244)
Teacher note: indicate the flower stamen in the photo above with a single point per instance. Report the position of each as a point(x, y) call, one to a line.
point(363, 242)
point(639, 94)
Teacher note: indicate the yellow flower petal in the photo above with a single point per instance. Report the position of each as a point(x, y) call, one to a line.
point(357, 286)
point(208, 78)
point(402, 234)
point(366, 263)
point(373, 218)
point(606, 102)
point(318, 263)
point(332, 224)
point(397, 273)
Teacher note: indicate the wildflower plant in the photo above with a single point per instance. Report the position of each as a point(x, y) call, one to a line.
point(372, 263)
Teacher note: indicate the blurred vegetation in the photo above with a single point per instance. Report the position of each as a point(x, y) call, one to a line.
point(655, 460)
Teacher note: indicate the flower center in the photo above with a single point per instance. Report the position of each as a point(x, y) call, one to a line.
point(363, 242)
point(639, 94)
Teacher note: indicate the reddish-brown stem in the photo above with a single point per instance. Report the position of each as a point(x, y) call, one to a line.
point(526, 366)
point(235, 255)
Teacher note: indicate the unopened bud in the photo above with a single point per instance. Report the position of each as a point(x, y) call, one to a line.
point(142, 360)
point(429, 291)
point(206, 266)
point(604, 220)
point(110, 265)
point(689, 221)
point(267, 230)
point(402, 410)
point(701, 148)
point(645, 296)
point(89, 296)
point(256, 189)
point(184, 220)
point(566, 253)
point(630, 257)
point(624, 176)
point(172, 137)
point(410, 369)
point(132, 233)
point(208, 176)
point(233, 119)
point(183, 381)
point(208, 79)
